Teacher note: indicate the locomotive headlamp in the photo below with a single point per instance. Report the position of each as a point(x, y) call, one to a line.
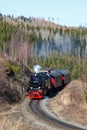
point(39, 87)
point(31, 87)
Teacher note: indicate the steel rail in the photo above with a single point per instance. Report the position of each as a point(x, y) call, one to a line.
point(35, 107)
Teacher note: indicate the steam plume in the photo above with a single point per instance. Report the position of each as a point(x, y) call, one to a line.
point(36, 68)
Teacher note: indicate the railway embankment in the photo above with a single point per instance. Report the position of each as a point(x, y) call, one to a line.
point(71, 103)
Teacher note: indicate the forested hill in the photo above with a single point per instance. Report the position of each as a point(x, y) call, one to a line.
point(33, 40)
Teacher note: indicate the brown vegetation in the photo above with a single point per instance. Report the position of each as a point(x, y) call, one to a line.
point(2, 71)
point(12, 85)
point(70, 104)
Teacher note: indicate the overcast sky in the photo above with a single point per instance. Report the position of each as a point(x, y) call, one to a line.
point(64, 12)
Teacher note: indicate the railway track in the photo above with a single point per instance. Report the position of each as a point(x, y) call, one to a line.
point(54, 122)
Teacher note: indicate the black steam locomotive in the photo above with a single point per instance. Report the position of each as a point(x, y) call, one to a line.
point(47, 80)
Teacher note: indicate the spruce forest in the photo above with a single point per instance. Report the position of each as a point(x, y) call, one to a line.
point(29, 41)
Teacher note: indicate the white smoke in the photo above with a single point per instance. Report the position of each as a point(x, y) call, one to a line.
point(36, 68)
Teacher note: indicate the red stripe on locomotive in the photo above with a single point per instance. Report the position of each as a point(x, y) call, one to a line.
point(53, 82)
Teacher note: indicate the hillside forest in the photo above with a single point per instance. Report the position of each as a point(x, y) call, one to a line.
point(29, 41)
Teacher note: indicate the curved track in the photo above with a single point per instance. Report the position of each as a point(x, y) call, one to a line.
point(35, 107)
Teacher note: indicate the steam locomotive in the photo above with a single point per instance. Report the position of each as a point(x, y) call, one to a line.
point(47, 80)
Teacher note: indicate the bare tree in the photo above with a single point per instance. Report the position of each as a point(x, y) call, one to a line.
point(24, 53)
point(2, 70)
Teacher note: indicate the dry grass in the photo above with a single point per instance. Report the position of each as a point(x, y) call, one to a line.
point(11, 119)
point(70, 104)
